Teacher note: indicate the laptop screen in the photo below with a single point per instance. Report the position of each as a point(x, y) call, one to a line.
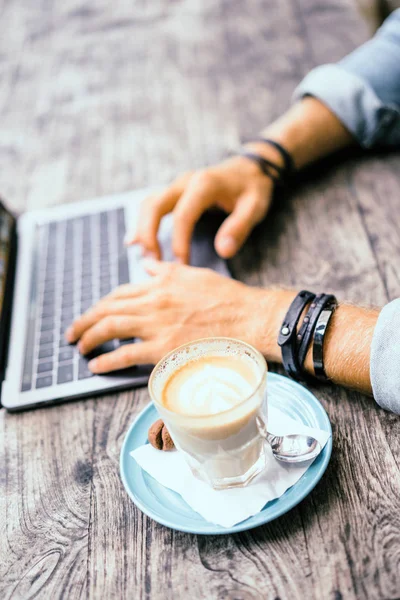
point(7, 268)
point(6, 227)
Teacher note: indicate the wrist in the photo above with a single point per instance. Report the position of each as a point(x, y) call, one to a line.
point(268, 311)
point(347, 343)
point(347, 347)
point(309, 131)
point(266, 151)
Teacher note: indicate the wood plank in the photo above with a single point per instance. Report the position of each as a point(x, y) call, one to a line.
point(46, 473)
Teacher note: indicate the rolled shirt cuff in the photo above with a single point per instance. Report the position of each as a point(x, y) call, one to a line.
point(355, 103)
point(385, 358)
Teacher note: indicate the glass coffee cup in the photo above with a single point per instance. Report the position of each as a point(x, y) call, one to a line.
point(211, 393)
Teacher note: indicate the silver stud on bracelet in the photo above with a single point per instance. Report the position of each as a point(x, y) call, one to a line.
point(285, 330)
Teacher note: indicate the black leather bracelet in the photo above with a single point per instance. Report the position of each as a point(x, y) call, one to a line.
point(286, 157)
point(319, 336)
point(268, 168)
point(303, 328)
point(287, 338)
point(317, 306)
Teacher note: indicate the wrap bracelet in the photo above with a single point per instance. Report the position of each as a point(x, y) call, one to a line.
point(279, 174)
point(295, 343)
point(316, 308)
point(266, 166)
point(286, 157)
point(287, 339)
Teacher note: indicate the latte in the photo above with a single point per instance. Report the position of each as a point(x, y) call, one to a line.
point(211, 395)
point(210, 385)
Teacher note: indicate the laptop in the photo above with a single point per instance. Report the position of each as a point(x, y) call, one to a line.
point(56, 263)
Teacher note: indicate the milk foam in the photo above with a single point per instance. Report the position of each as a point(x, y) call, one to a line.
point(209, 386)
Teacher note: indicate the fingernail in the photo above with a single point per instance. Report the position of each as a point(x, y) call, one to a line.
point(149, 254)
point(93, 365)
point(79, 346)
point(227, 245)
point(69, 334)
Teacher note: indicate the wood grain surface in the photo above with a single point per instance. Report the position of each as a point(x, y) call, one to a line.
point(101, 97)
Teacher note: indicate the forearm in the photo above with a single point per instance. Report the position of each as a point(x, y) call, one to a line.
point(308, 130)
point(355, 101)
point(346, 346)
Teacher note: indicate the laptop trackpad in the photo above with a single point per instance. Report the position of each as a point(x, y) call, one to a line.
point(203, 253)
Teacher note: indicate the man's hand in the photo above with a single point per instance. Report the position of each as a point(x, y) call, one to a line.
point(182, 303)
point(177, 305)
point(236, 186)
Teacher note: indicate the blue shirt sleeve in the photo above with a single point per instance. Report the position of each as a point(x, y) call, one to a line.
point(363, 89)
point(385, 358)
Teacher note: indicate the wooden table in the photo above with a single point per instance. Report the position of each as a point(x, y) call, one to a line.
point(101, 97)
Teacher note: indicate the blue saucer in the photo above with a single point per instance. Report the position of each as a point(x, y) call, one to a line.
point(168, 508)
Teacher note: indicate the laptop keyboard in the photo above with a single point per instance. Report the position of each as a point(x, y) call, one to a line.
point(77, 261)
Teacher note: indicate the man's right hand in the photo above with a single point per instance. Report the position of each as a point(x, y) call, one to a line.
point(236, 186)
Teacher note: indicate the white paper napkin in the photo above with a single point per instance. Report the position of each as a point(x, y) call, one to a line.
point(228, 507)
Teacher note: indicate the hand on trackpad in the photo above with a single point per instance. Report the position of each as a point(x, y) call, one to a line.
point(202, 253)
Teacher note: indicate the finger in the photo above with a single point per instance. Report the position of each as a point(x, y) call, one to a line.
point(141, 353)
point(110, 328)
point(127, 291)
point(81, 324)
point(197, 197)
point(88, 319)
point(103, 309)
point(250, 209)
point(151, 212)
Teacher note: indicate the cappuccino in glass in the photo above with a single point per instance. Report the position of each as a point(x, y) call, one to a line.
point(211, 394)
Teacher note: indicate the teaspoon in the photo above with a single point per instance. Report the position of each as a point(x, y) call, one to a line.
point(293, 448)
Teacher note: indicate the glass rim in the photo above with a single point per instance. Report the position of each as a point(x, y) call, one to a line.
point(208, 339)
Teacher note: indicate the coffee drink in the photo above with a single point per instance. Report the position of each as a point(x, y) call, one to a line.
point(210, 385)
point(211, 394)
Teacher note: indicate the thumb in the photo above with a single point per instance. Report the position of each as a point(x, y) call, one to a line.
point(250, 210)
